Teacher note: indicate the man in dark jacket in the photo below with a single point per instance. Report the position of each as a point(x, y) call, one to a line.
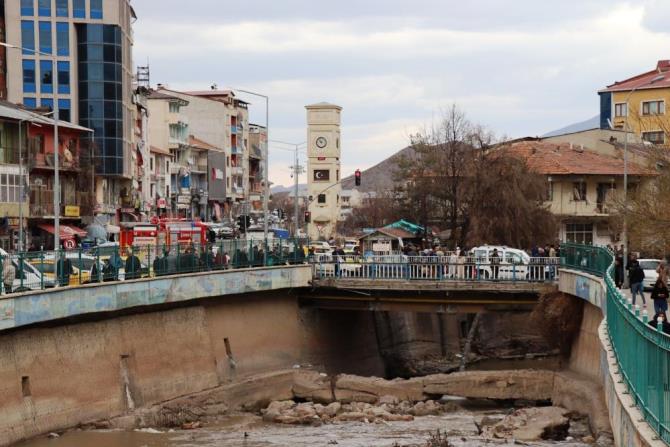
point(495, 263)
point(133, 266)
point(64, 270)
point(636, 277)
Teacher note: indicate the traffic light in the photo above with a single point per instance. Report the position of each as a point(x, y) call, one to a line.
point(308, 217)
point(357, 177)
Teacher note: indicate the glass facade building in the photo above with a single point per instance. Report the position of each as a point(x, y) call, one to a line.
point(100, 68)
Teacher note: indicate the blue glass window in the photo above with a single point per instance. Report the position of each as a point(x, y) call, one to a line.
point(30, 102)
point(44, 8)
point(28, 76)
point(28, 36)
point(48, 103)
point(63, 77)
point(45, 37)
point(27, 8)
point(96, 9)
point(46, 77)
point(79, 9)
point(62, 8)
point(63, 38)
point(64, 109)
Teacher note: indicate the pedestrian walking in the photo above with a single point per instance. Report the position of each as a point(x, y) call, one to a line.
point(133, 265)
point(618, 272)
point(635, 278)
point(662, 271)
point(660, 296)
point(495, 264)
point(8, 274)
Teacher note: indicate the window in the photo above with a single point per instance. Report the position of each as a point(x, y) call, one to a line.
point(79, 9)
point(9, 187)
point(28, 76)
point(46, 77)
point(30, 102)
point(174, 107)
point(579, 191)
point(45, 37)
point(321, 198)
point(63, 39)
point(64, 109)
point(48, 103)
point(63, 77)
point(550, 192)
point(657, 137)
point(579, 233)
point(44, 8)
point(653, 107)
point(27, 8)
point(620, 109)
point(62, 8)
point(28, 36)
point(96, 9)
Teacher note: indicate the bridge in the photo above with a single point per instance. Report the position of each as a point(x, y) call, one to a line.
point(157, 309)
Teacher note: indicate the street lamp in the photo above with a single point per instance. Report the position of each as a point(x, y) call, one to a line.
point(296, 173)
point(54, 81)
point(265, 162)
point(625, 177)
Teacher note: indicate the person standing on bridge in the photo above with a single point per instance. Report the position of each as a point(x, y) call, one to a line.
point(495, 264)
point(636, 277)
point(133, 265)
point(660, 296)
point(8, 274)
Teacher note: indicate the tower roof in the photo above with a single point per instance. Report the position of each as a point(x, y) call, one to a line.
point(323, 105)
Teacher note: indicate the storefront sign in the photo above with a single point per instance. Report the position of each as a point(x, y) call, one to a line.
point(71, 211)
point(183, 199)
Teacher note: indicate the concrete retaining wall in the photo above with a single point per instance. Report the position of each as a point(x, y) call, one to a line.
point(35, 307)
point(592, 356)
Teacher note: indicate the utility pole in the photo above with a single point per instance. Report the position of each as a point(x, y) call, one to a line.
point(297, 170)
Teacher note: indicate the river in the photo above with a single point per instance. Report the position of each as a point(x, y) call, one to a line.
point(231, 433)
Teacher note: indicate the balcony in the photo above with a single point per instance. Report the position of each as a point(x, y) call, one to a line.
point(42, 204)
point(237, 170)
point(41, 160)
point(235, 150)
point(9, 156)
point(233, 129)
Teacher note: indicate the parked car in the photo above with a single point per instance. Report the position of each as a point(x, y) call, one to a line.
point(514, 263)
point(650, 276)
point(27, 276)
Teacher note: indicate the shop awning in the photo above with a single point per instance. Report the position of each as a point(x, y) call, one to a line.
point(66, 231)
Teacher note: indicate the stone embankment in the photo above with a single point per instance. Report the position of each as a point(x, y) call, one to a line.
point(303, 396)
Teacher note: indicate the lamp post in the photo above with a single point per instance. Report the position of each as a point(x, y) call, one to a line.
point(54, 82)
point(297, 170)
point(266, 194)
point(625, 178)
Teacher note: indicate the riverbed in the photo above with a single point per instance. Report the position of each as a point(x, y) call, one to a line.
point(247, 430)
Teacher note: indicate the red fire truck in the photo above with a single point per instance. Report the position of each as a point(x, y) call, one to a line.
point(163, 232)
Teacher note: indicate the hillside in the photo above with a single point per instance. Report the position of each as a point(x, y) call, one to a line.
point(380, 176)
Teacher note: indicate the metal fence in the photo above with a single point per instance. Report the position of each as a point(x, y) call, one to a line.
point(40, 270)
point(642, 349)
point(435, 268)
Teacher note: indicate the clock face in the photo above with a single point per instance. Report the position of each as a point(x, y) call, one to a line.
point(321, 142)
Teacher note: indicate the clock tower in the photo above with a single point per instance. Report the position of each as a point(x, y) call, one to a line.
point(323, 169)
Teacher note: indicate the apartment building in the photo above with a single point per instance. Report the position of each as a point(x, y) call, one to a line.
point(581, 185)
point(258, 149)
point(91, 41)
point(638, 104)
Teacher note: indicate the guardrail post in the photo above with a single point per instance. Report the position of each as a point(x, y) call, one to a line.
point(80, 266)
point(22, 269)
point(42, 268)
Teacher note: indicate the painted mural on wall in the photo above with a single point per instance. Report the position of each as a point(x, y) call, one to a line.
point(21, 310)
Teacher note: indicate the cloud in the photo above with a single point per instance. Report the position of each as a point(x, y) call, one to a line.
point(657, 15)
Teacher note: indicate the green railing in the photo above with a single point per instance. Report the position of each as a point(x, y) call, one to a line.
point(38, 270)
point(642, 350)
point(588, 258)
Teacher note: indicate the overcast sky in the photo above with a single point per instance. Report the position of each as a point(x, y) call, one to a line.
point(521, 67)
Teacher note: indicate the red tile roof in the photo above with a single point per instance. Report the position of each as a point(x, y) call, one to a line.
point(560, 159)
point(644, 81)
point(193, 141)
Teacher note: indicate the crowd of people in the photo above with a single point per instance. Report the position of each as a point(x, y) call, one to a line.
point(659, 293)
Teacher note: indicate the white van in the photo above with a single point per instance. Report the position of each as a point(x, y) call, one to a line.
point(28, 277)
point(514, 263)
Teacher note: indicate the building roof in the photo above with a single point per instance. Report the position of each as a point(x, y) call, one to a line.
point(322, 105)
point(11, 111)
point(200, 144)
point(643, 81)
point(160, 94)
point(215, 93)
point(158, 150)
point(562, 159)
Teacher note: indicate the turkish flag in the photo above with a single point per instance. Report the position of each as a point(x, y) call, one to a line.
point(321, 175)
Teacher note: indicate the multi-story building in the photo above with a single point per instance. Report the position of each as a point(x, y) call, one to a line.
point(222, 120)
point(90, 43)
point(258, 149)
point(638, 104)
point(323, 169)
point(159, 179)
point(141, 154)
point(581, 186)
point(169, 130)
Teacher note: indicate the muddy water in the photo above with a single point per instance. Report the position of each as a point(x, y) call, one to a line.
point(259, 434)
